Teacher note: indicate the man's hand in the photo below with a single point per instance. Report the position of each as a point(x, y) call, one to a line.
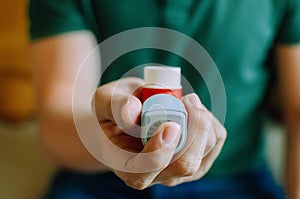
point(118, 110)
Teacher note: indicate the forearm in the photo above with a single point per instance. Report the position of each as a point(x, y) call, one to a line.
point(56, 61)
point(59, 136)
point(293, 158)
point(288, 61)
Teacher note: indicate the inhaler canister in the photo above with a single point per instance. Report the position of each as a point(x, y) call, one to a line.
point(161, 102)
point(162, 80)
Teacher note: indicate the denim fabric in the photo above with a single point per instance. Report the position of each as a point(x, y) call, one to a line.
point(254, 184)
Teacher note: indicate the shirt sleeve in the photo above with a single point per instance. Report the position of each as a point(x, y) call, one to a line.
point(53, 17)
point(290, 28)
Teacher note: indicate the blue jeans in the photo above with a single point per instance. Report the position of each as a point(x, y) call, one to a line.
point(255, 184)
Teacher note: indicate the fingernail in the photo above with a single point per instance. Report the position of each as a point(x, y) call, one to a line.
point(170, 132)
point(194, 100)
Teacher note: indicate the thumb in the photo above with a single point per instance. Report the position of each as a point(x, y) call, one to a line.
point(160, 149)
point(166, 136)
point(155, 156)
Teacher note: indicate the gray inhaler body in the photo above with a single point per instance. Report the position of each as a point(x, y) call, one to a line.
point(160, 108)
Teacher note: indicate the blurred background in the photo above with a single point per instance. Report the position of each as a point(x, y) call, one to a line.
point(25, 171)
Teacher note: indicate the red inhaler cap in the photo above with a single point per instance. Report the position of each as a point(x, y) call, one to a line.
point(148, 92)
point(162, 80)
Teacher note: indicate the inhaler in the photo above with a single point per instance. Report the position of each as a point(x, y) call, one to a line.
point(161, 102)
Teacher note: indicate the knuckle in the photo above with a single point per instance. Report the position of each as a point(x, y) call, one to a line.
point(208, 122)
point(188, 166)
point(205, 168)
point(139, 184)
point(171, 183)
point(187, 170)
point(204, 123)
point(223, 134)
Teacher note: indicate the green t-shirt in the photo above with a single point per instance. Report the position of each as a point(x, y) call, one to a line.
point(237, 34)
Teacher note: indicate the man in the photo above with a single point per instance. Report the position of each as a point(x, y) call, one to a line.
point(237, 34)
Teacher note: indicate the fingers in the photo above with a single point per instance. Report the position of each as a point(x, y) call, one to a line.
point(190, 158)
point(206, 162)
point(126, 112)
point(118, 102)
point(155, 156)
point(205, 139)
point(209, 158)
point(199, 125)
point(217, 133)
point(207, 131)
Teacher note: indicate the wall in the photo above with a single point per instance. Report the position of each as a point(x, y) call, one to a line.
point(24, 169)
point(16, 87)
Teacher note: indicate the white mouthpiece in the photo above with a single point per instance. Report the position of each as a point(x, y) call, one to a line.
point(166, 76)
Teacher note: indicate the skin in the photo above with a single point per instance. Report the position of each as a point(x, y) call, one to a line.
point(56, 61)
point(288, 59)
point(202, 147)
